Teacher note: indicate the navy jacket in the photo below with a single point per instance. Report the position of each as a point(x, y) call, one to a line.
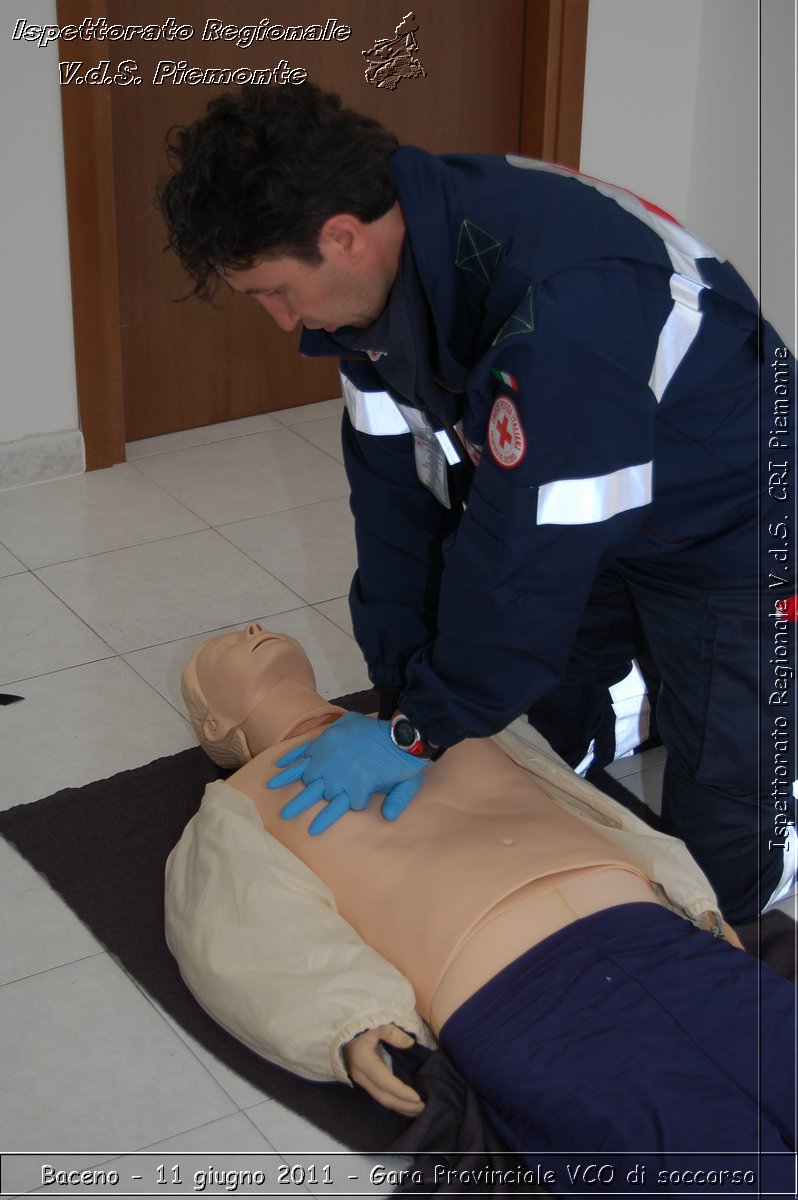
point(603, 363)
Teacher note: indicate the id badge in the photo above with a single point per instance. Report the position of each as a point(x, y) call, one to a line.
point(431, 466)
point(433, 450)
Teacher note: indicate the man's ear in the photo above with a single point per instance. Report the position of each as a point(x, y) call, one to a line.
point(343, 234)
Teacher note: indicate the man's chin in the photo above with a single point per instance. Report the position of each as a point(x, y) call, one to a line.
point(316, 328)
point(357, 323)
point(350, 327)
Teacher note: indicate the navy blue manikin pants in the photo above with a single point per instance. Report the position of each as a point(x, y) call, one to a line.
point(633, 1043)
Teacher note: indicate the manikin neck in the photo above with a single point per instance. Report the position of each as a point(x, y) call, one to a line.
point(291, 709)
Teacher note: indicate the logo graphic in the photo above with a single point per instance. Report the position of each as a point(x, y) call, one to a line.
point(393, 59)
point(505, 435)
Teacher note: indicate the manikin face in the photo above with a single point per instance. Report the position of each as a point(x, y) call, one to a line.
point(237, 671)
point(348, 287)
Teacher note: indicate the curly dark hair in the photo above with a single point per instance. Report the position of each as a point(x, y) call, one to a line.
point(262, 171)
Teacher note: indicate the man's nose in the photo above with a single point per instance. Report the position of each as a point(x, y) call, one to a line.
point(280, 312)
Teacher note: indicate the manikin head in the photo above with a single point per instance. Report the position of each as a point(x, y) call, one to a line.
point(247, 690)
point(287, 196)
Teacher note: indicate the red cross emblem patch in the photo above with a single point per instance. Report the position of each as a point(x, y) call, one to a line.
point(505, 435)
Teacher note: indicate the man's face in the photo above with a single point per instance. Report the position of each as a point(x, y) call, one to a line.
point(328, 296)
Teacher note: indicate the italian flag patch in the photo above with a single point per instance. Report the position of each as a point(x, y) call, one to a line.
point(505, 377)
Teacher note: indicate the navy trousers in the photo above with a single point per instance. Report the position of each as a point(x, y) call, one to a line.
point(727, 789)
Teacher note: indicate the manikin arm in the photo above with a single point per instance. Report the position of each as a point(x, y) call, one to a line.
point(260, 944)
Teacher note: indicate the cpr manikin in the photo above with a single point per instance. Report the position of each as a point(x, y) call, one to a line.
point(402, 926)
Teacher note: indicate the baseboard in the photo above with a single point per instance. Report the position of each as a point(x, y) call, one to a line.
point(41, 456)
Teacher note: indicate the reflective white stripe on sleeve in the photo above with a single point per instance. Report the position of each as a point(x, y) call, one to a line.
point(672, 234)
point(588, 501)
point(679, 331)
point(683, 247)
point(372, 412)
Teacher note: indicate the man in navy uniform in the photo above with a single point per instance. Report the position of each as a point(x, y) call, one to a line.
point(562, 411)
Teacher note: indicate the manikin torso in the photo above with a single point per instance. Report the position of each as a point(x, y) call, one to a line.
point(482, 865)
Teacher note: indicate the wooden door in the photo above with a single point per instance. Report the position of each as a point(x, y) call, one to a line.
point(504, 77)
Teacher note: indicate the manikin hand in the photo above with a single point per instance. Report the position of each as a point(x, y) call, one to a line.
point(367, 1069)
point(350, 761)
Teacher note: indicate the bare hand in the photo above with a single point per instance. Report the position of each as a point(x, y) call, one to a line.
point(367, 1069)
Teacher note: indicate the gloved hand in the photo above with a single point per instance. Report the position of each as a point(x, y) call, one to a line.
point(345, 765)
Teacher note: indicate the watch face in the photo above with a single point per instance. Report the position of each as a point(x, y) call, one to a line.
point(404, 734)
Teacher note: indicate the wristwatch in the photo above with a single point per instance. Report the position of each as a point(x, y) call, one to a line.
point(406, 737)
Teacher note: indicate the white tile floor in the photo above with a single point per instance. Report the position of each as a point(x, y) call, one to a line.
point(107, 580)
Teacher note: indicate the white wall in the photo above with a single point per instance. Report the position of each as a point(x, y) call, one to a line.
point(672, 111)
point(38, 404)
point(722, 192)
point(640, 80)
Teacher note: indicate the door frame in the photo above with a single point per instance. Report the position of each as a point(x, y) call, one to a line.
point(550, 125)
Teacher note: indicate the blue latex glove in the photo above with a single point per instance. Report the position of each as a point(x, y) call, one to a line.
point(345, 765)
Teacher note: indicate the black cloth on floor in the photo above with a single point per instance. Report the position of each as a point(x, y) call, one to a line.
point(773, 939)
point(455, 1149)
